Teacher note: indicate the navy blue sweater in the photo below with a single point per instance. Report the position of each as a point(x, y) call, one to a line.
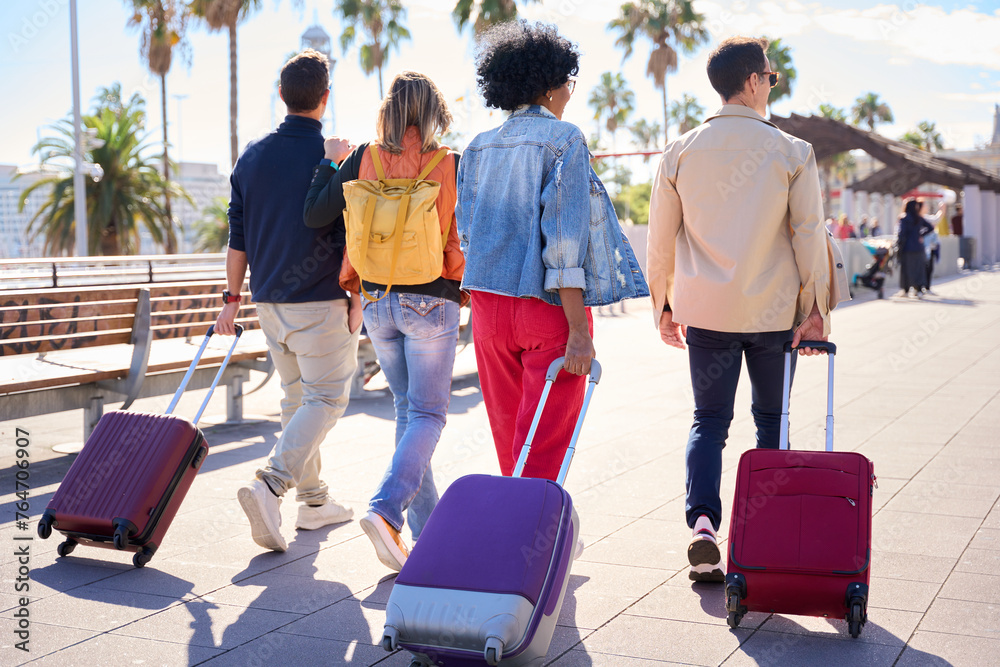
point(289, 262)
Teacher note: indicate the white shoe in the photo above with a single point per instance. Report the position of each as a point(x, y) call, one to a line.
point(263, 510)
point(330, 512)
point(703, 553)
point(389, 546)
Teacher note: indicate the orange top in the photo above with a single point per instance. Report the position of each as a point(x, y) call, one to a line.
point(409, 164)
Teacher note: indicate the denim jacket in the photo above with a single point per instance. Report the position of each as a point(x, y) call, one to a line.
point(533, 217)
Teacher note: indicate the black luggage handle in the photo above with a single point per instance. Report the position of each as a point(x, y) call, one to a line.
point(550, 377)
point(814, 344)
point(787, 390)
point(194, 364)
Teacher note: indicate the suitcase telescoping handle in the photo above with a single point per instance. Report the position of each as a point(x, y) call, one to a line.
point(831, 352)
point(550, 377)
point(190, 372)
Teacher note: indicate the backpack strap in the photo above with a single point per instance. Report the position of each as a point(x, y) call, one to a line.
point(433, 163)
point(376, 161)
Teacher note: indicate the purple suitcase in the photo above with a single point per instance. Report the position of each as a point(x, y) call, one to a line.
point(127, 484)
point(488, 578)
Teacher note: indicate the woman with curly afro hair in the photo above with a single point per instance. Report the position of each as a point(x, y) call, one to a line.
point(541, 240)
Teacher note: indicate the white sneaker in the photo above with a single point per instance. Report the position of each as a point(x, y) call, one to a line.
point(703, 553)
point(330, 512)
point(263, 510)
point(388, 544)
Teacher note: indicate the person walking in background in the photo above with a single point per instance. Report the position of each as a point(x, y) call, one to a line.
point(304, 314)
point(737, 268)
point(957, 221)
point(876, 229)
point(541, 240)
point(932, 252)
point(413, 328)
point(909, 238)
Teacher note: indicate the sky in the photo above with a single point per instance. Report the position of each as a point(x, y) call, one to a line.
point(938, 61)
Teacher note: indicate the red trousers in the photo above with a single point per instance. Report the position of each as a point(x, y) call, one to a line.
point(515, 341)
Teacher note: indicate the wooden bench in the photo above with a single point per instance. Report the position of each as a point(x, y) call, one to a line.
point(64, 349)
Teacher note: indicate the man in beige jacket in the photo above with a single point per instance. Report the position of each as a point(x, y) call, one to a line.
point(738, 264)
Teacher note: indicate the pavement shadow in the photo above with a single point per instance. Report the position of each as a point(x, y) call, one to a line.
point(567, 629)
point(74, 575)
point(712, 598)
point(788, 643)
point(281, 594)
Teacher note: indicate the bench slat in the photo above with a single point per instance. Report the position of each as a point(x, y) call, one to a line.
point(71, 341)
point(51, 328)
point(69, 310)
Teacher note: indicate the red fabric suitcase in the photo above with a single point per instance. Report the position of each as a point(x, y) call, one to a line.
point(126, 486)
point(800, 535)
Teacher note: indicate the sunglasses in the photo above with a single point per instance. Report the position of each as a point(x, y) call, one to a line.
point(572, 85)
point(772, 77)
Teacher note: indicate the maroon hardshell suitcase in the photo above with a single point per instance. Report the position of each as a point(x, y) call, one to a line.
point(800, 535)
point(126, 486)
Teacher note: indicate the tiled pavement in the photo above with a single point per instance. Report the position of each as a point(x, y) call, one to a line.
point(918, 391)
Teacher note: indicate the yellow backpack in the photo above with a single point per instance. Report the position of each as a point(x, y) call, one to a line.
point(393, 232)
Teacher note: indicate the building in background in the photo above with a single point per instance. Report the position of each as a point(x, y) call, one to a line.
point(14, 242)
point(204, 183)
point(317, 39)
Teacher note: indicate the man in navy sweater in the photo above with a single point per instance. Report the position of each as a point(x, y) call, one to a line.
point(309, 322)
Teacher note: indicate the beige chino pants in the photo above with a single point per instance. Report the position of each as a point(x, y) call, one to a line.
point(316, 357)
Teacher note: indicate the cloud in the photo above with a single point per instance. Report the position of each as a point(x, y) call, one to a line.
point(961, 37)
point(972, 97)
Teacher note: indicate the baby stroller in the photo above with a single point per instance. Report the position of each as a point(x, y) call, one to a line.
point(876, 271)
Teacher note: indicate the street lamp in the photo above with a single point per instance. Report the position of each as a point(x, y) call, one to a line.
point(79, 188)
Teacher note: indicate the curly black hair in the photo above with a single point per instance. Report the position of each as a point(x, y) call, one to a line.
point(518, 61)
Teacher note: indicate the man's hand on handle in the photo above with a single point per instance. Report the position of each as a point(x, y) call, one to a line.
point(671, 333)
point(810, 329)
point(225, 324)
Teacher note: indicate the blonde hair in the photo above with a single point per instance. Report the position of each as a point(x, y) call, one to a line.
point(413, 99)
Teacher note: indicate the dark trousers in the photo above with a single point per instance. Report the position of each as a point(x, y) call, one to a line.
point(716, 359)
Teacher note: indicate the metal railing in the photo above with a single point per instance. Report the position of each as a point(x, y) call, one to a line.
point(50, 272)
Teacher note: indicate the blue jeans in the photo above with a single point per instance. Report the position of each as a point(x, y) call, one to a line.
point(414, 337)
point(716, 358)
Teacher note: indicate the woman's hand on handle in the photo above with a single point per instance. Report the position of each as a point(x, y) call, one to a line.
point(579, 343)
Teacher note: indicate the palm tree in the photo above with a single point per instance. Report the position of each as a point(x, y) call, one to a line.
point(381, 22)
point(611, 99)
point(668, 25)
point(488, 13)
point(162, 23)
point(646, 136)
point(780, 57)
point(686, 114)
point(219, 15)
point(869, 109)
point(213, 228)
point(925, 137)
point(126, 197)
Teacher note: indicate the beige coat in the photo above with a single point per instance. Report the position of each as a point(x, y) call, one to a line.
point(736, 235)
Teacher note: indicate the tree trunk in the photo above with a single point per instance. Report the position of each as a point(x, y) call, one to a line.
point(380, 93)
point(169, 241)
point(234, 144)
point(666, 115)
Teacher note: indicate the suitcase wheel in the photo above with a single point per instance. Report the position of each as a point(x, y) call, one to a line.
point(734, 617)
point(493, 651)
point(141, 557)
point(856, 619)
point(66, 548)
point(121, 538)
point(390, 639)
point(45, 527)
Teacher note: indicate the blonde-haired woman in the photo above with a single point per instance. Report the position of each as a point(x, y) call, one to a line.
point(414, 329)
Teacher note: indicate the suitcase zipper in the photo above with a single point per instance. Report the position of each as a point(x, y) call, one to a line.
point(851, 500)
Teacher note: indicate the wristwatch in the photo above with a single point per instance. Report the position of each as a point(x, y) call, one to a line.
point(227, 297)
